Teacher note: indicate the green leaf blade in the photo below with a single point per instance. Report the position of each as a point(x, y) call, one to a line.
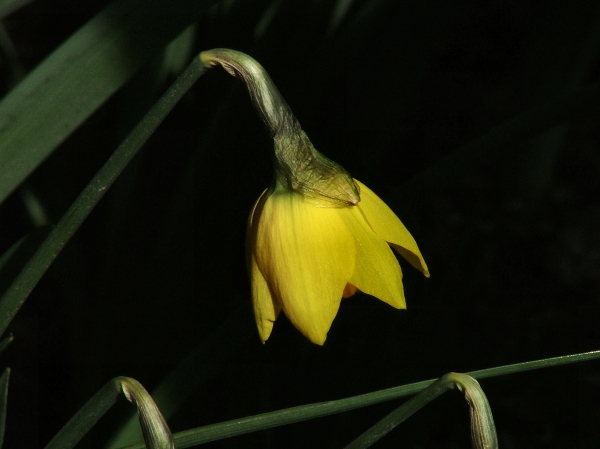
point(79, 76)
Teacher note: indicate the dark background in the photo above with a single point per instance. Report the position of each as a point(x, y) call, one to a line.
point(510, 234)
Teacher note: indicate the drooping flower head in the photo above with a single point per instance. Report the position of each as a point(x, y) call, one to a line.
point(316, 235)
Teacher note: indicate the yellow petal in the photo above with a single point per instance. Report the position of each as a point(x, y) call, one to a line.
point(389, 227)
point(266, 307)
point(306, 255)
point(376, 270)
point(250, 229)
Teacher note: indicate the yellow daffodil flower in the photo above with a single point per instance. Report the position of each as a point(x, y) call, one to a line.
point(316, 235)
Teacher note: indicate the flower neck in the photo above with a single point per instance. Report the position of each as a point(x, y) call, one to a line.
point(298, 166)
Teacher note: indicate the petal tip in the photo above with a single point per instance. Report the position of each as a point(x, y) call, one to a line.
point(315, 335)
point(265, 327)
point(320, 340)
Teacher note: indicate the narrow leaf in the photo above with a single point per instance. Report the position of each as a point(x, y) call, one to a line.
point(9, 6)
point(85, 418)
point(3, 400)
point(202, 364)
point(483, 430)
point(156, 432)
point(66, 88)
point(5, 342)
point(18, 291)
point(213, 432)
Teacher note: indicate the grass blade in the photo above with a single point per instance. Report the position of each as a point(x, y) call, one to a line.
point(16, 294)
point(3, 398)
point(62, 91)
point(174, 390)
point(155, 428)
point(7, 7)
point(6, 341)
point(200, 435)
point(483, 430)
